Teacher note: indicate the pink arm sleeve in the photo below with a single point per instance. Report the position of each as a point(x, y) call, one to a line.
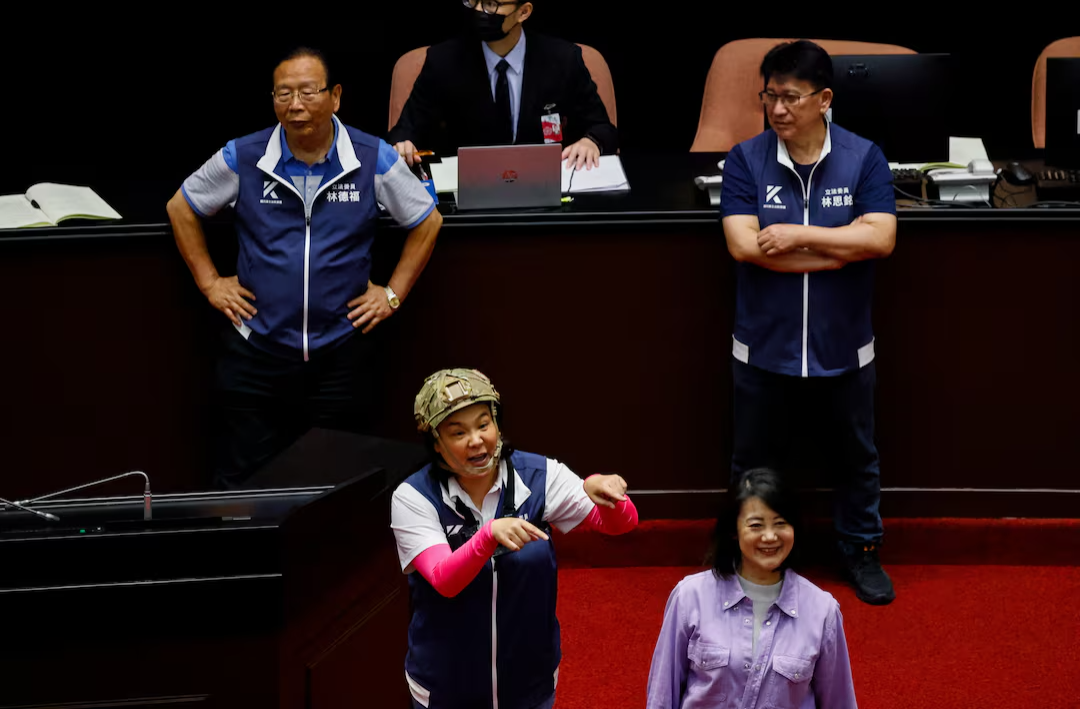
point(449, 573)
point(612, 521)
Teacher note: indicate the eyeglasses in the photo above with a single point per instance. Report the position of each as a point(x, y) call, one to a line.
point(306, 95)
point(769, 98)
point(488, 6)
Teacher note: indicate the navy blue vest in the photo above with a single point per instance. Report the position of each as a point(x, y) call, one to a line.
point(303, 274)
point(769, 305)
point(450, 639)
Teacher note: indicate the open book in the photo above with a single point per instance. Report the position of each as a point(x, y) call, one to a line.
point(47, 204)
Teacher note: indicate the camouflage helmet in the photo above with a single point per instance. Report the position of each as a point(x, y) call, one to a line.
point(450, 390)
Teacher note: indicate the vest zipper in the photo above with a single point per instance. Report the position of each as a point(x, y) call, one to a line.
point(494, 636)
point(307, 239)
point(307, 270)
point(806, 276)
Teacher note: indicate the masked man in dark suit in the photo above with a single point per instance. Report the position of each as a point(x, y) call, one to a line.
point(495, 86)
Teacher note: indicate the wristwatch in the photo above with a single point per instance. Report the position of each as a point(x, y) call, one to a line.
point(392, 298)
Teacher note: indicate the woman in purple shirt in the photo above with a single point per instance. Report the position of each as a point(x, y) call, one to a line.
point(751, 632)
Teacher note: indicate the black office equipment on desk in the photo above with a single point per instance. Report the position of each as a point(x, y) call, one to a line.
point(902, 102)
point(1056, 184)
point(908, 179)
point(1063, 112)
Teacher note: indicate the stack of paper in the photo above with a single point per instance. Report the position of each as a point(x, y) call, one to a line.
point(444, 174)
point(608, 177)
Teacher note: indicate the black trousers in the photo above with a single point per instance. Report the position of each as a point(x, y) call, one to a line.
point(824, 424)
point(265, 402)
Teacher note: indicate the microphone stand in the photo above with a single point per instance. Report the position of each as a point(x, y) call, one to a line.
point(44, 515)
point(146, 494)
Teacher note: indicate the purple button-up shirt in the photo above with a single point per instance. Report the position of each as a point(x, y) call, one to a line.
point(703, 657)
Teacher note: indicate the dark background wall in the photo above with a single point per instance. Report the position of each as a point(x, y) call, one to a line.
point(158, 91)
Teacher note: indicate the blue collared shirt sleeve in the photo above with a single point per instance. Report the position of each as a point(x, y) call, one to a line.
point(738, 193)
point(833, 686)
point(398, 190)
point(875, 191)
point(229, 153)
point(670, 662)
point(215, 184)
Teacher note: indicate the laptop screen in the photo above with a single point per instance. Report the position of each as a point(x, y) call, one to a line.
point(509, 176)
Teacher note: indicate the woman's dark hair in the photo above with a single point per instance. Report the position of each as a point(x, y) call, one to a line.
point(801, 60)
point(765, 484)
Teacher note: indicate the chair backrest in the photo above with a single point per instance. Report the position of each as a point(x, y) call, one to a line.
point(1067, 47)
point(408, 67)
point(601, 76)
point(730, 109)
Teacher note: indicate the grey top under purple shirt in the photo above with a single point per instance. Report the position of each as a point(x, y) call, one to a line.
point(763, 598)
point(705, 655)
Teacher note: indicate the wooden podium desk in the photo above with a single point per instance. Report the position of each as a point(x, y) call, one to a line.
point(283, 595)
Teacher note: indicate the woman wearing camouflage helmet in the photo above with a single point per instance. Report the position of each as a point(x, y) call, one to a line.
point(472, 533)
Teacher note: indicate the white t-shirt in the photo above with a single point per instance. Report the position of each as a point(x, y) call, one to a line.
point(416, 524)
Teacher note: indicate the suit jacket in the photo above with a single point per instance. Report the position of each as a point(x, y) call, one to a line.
point(451, 104)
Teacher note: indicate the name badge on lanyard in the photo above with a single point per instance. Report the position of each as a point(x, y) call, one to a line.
point(551, 124)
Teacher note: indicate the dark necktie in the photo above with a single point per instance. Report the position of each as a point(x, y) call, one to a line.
point(502, 104)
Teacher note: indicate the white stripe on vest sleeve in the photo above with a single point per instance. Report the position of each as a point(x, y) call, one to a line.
point(212, 186)
point(415, 522)
point(567, 504)
point(403, 196)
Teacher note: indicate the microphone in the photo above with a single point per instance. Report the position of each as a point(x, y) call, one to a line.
point(16, 505)
point(147, 513)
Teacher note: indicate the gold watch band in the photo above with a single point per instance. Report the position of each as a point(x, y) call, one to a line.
point(391, 298)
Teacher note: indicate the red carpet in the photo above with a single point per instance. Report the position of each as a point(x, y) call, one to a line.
point(962, 541)
point(983, 636)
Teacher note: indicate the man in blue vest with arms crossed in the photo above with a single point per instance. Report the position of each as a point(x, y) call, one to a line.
point(306, 194)
point(807, 207)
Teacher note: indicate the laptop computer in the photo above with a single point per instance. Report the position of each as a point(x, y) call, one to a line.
point(509, 176)
point(899, 101)
point(1063, 112)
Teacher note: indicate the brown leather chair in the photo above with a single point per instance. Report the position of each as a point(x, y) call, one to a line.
point(731, 111)
point(1067, 47)
point(406, 69)
point(601, 76)
point(408, 66)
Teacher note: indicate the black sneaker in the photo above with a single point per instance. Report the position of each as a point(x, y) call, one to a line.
point(872, 584)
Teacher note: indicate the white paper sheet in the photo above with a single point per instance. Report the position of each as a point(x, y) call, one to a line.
point(444, 174)
point(608, 177)
point(963, 150)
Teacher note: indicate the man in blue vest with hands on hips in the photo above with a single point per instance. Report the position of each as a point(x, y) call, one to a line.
point(807, 207)
point(306, 194)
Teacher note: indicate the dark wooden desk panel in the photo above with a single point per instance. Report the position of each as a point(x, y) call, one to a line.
point(978, 383)
point(606, 324)
point(610, 347)
point(105, 366)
